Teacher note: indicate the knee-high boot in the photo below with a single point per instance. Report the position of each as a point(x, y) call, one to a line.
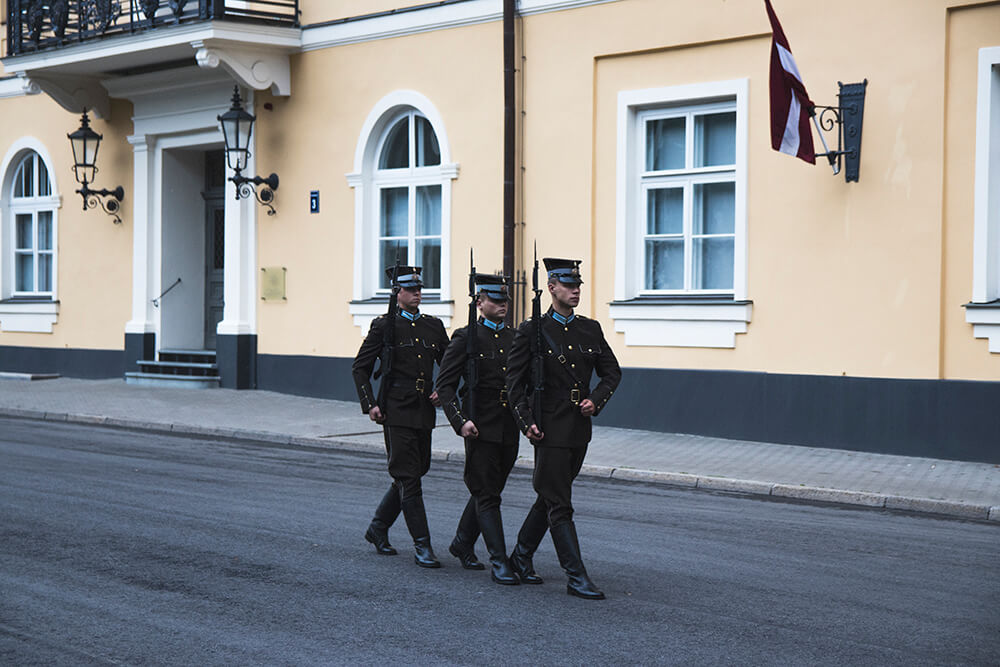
point(385, 515)
point(568, 548)
point(463, 546)
point(416, 521)
point(492, 527)
point(531, 534)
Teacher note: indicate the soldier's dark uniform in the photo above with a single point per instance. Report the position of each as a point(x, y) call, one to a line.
point(408, 415)
point(489, 457)
point(574, 348)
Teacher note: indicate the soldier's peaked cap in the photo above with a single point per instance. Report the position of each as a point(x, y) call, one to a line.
point(409, 276)
point(495, 287)
point(566, 271)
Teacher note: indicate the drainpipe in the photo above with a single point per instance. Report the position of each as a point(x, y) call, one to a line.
point(509, 129)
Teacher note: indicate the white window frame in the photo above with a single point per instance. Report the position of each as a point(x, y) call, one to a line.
point(32, 206)
point(984, 310)
point(368, 300)
point(685, 178)
point(676, 318)
point(29, 312)
point(410, 177)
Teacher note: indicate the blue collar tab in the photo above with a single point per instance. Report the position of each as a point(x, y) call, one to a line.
point(496, 326)
point(563, 320)
point(408, 315)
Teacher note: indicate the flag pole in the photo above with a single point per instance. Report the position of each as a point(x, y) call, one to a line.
point(819, 131)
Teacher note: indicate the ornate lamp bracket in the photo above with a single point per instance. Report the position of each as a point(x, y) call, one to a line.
point(245, 187)
point(847, 118)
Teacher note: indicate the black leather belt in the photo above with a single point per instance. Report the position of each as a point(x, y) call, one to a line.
point(418, 384)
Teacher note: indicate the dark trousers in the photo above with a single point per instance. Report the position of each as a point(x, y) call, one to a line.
point(487, 466)
point(555, 470)
point(409, 455)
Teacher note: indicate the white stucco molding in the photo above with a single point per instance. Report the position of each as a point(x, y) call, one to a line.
point(18, 86)
point(74, 93)
point(29, 317)
point(254, 68)
point(985, 321)
point(681, 325)
point(386, 25)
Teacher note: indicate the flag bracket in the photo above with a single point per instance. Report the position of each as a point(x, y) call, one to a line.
point(846, 119)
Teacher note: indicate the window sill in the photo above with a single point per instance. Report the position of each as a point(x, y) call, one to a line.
point(367, 310)
point(28, 315)
point(711, 322)
point(985, 321)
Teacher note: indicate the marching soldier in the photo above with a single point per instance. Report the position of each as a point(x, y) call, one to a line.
point(484, 420)
point(566, 349)
point(408, 344)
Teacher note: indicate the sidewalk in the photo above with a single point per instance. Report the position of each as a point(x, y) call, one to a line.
point(951, 488)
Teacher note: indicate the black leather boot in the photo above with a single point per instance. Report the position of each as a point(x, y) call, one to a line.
point(416, 521)
point(532, 531)
point(492, 527)
point(568, 548)
point(463, 546)
point(385, 515)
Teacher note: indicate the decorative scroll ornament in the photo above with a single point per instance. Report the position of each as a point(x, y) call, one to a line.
point(35, 19)
point(59, 16)
point(102, 14)
point(111, 206)
point(177, 7)
point(149, 8)
point(266, 194)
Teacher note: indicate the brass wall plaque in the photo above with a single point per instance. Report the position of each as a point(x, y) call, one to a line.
point(272, 283)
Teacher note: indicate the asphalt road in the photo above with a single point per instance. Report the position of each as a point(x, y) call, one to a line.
point(119, 547)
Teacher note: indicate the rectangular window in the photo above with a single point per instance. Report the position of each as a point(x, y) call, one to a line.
point(688, 189)
point(410, 220)
point(33, 253)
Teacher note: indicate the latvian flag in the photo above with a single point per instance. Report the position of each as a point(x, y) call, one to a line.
point(790, 104)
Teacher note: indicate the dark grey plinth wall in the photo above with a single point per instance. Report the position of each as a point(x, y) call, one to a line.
point(237, 360)
point(92, 364)
point(139, 347)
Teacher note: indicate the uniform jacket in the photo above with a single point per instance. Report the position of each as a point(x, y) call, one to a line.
point(573, 353)
point(493, 417)
point(419, 344)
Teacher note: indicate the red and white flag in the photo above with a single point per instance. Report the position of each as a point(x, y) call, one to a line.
point(790, 103)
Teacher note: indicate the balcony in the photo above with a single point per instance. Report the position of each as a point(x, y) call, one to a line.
point(74, 49)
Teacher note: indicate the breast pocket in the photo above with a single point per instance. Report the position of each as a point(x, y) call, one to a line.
point(406, 342)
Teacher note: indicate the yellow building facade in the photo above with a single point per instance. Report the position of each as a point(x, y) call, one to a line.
point(747, 294)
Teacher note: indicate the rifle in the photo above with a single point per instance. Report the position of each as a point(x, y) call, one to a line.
point(472, 345)
point(388, 338)
point(538, 358)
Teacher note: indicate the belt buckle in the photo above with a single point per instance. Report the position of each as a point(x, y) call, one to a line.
point(574, 396)
point(420, 385)
point(503, 397)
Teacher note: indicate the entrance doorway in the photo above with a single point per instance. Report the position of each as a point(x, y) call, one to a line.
point(215, 237)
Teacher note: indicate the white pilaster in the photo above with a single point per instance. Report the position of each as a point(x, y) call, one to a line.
point(145, 235)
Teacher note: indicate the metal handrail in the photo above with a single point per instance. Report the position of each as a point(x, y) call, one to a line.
point(156, 301)
point(36, 25)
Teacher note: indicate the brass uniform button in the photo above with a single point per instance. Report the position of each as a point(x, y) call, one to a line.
point(569, 346)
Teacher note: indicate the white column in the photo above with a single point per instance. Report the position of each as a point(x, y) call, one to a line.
point(145, 236)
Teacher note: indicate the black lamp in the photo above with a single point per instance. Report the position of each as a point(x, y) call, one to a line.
point(237, 126)
point(85, 144)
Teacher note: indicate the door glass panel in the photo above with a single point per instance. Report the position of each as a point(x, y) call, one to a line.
point(665, 264)
point(219, 239)
point(665, 144)
point(714, 208)
point(428, 210)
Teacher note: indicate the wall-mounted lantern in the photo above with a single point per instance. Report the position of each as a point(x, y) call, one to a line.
point(237, 126)
point(85, 143)
point(847, 116)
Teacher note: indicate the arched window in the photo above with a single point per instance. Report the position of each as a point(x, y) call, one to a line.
point(407, 184)
point(402, 199)
point(32, 211)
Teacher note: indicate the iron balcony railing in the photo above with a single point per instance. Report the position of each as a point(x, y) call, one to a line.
point(37, 25)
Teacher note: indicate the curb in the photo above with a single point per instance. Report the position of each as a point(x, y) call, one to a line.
point(932, 506)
